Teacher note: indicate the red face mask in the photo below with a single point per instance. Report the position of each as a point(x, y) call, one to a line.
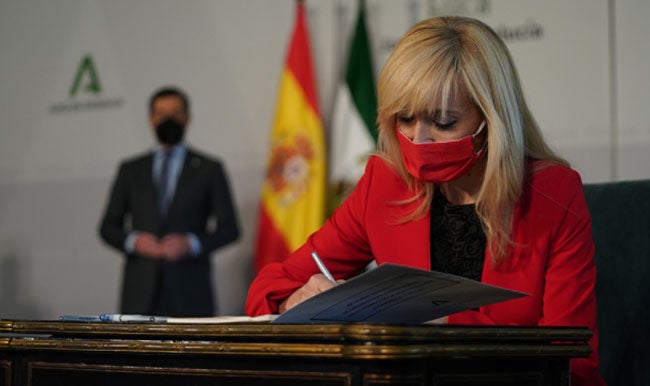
point(439, 161)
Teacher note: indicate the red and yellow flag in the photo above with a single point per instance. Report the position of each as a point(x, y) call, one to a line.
point(293, 192)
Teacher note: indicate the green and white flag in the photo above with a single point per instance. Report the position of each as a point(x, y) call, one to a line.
point(354, 135)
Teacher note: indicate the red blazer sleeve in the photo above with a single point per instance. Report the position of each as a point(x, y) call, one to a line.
point(342, 243)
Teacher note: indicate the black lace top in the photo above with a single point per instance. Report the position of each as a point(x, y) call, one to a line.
point(457, 239)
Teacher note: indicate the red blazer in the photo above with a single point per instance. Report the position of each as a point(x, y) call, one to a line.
point(552, 259)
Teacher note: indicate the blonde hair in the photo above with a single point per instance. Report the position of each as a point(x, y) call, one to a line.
point(437, 58)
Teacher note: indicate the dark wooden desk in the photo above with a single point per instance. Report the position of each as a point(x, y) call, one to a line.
point(46, 353)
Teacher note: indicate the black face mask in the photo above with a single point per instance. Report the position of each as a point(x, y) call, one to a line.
point(170, 132)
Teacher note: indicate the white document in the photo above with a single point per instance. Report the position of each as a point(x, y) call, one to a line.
point(396, 294)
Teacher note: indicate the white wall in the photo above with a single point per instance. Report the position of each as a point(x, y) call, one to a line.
point(632, 81)
point(583, 64)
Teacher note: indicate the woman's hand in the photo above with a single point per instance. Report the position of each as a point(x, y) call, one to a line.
point(315, 285)
point(442, 320)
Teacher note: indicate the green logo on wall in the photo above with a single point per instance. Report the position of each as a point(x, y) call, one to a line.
point(84, 94)
point(87, 74)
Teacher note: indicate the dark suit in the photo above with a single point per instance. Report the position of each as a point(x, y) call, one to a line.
point(202, 194)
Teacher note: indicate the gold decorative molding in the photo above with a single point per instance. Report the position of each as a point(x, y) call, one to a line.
point(6, 325)
point(358, 341)
point(321, 350)
point(325, 332)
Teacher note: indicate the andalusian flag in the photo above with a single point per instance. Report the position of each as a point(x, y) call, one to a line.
point(293, 192)
point(354, 136)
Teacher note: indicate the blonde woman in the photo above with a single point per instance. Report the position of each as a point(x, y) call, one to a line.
point(462, 183)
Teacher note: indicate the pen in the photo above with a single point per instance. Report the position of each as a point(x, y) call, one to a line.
point(133, 318)
point(79, 318)
point(323, 269)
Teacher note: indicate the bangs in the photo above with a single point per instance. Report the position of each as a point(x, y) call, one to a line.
point(424, 85)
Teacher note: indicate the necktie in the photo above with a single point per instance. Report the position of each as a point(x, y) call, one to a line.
point(162, 185)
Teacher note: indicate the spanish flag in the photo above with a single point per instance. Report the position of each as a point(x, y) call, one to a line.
point(293, 192)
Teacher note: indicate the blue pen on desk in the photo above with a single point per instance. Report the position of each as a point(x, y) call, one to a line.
point(79, 318)
point(131, 318)
point(323, 269)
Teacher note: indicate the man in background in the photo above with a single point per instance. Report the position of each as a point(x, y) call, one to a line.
point(168, 210)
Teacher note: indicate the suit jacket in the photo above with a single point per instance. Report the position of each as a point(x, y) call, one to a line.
point(552, 257)
point(202, 196)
